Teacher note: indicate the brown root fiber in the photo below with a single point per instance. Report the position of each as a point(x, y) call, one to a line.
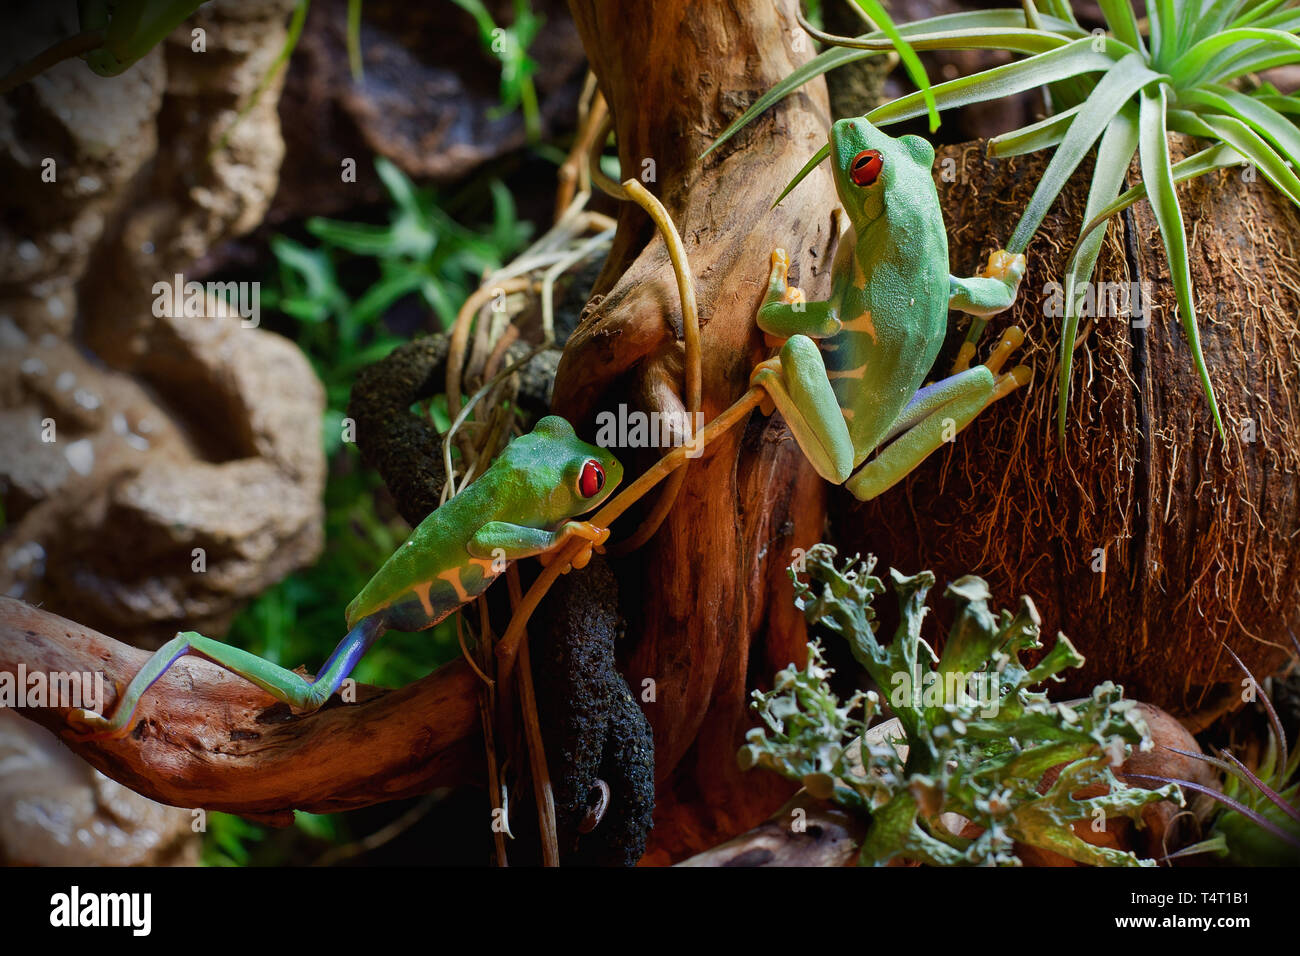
point(1197, 536)
point(709, 608)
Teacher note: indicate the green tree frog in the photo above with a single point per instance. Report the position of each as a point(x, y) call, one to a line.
point(847, 378)
point(523, 505)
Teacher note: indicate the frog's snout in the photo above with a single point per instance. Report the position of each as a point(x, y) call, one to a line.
point(857, 130)
point(613, 475)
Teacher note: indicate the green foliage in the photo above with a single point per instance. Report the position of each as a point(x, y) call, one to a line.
point(233, 841)
point(1257, 818)
point(977, 738)
point(510, 46)
point(1270, 793)
point(228, 840)
point(420, 251)
point(1120, 92)
point(317, 825)
point(911, 62)
point(354, 41)
point(337, 293)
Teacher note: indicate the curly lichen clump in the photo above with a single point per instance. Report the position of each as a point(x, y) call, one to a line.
point(977, 739)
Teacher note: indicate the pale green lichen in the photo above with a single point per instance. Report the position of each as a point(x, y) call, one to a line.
point(978, 739)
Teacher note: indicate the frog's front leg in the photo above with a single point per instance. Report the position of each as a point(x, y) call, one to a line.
point(284, 685)
point(514, 541)
point(994, 290)
point(795, 380)
point(935, 414)
point(785, 312)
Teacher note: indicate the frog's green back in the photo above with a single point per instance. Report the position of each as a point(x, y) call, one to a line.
point(893, 302)
point(433, 564)
point(532, 483)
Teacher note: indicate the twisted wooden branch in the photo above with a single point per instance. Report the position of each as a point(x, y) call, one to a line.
point(207, 738)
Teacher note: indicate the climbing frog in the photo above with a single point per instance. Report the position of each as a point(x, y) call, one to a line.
point(522, 505)
point(847, 378)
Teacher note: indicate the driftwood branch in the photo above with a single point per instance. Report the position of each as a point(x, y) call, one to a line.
point(804, 832)
point(707, 599)
point(204, 737)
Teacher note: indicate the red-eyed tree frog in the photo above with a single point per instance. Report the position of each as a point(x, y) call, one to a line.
point(523, 505)
point(847, 379)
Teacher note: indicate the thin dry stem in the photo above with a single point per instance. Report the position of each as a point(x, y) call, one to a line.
point(542, 791)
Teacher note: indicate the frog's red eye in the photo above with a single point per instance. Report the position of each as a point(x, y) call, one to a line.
point(591, 480)
point(866, 167)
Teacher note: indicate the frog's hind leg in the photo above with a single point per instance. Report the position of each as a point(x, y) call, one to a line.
point(797, 384)
point(934, 416)
point(921, 405)
point(282, 684)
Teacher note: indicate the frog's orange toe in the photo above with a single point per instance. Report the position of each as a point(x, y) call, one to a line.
point(762, 373)
point(1018, 377)
point(85, 726)
point(588, 531)
point(1011, 340)
point(593, 538)
point(1005, 266)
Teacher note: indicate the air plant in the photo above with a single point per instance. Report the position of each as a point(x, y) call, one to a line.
point(1120, 91)
point(1258, 820)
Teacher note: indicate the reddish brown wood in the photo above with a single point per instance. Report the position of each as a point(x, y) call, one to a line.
point(708, 601)
point(210, 739)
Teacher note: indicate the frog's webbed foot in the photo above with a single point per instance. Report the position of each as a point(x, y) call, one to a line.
point(86, 725)
point(992, 290)
point(593, 540)
point(762, 372)
point(786, 311)
point(778, 278)
point(1004, 385)
point(1011, 340)
point(780, 291)
point(1005, 267)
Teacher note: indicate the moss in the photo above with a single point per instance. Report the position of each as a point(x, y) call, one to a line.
point(403, 447)
point(594, 726)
